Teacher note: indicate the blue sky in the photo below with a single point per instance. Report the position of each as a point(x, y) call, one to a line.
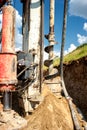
point(76, 23)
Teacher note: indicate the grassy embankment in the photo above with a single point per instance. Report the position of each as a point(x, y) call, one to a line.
point(78, 53)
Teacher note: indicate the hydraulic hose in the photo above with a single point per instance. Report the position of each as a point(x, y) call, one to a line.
point(41, 44)
point(73, 113)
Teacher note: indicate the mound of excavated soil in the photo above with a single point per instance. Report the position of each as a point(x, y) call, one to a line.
point(52, 114)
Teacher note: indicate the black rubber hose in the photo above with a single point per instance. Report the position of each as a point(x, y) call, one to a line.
point(73, 113)
point(41, 45)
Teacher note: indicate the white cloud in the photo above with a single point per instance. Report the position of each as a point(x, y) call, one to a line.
point(0, 21)
point(65, 52)
point(45, 56)
point(18, 27)
point(18, 35)
point(78, 8)
point(56, 53)
point(70, 49)
point(82, 39)
point(85, 26)
point(18, 20)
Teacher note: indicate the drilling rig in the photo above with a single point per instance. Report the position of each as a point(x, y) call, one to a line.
point(32, 51)
point(21, 72)
point(27, 63)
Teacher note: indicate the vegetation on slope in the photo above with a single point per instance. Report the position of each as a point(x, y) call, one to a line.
point(78, 53)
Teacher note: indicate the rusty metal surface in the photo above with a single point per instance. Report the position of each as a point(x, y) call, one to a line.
point(7, 71)
point(8, 59)
point(8, 68)
point(8, 29)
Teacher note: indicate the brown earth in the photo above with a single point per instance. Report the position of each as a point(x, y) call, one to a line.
point(52, 114)
point(75, 76)
point(10, 120)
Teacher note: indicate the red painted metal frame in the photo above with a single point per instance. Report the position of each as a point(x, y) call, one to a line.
point(8, 59)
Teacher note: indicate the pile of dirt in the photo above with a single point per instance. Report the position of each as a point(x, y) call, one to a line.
point(52, 114)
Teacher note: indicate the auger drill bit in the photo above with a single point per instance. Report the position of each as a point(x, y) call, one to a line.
point(51, 39)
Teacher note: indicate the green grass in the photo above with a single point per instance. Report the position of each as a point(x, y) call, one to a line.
point(78, 53)
point(45, 68)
